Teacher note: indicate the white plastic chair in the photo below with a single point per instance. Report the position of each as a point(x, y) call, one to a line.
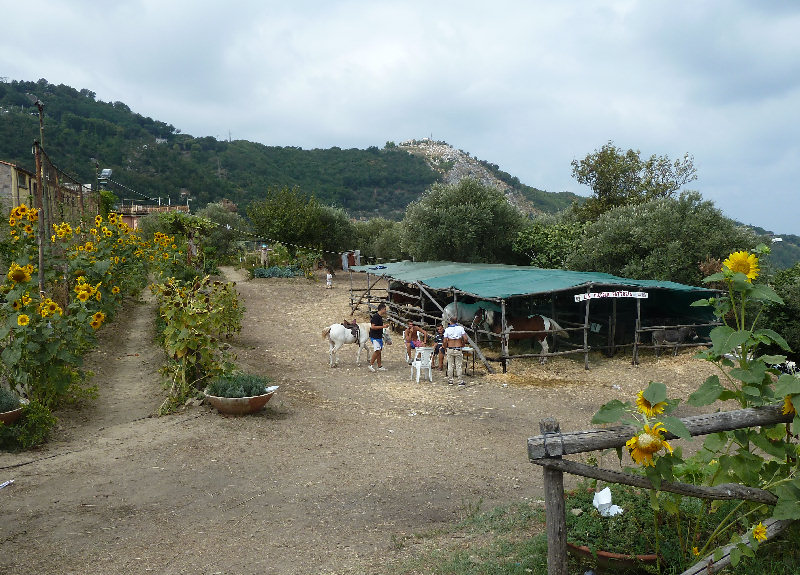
point(422, 361)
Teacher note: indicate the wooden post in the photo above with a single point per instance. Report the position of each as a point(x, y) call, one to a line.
point(555, 512)
point(586, 333)
point(556, 339)
point(503, 335)
point(40, 208)
point(613, 327)
point(636, 337)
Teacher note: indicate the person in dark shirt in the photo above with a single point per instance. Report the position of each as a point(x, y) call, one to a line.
point(438, 347)
point(376, 328)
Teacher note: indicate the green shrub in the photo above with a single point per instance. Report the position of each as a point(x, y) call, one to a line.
point(8, 400)
point(278, 272)
point(238, 385)
point(683, 523)
point(31, 429)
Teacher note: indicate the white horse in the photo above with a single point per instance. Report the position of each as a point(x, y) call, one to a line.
point(338, 335)
point(466, 313)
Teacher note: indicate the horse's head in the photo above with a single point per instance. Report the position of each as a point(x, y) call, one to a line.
point(484, 318)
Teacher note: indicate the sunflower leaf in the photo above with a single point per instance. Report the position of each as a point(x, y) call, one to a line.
point(773, 336)
point(735, 555)
point(707, 393)
point(676, 427)
point(725, 339)
point(610, 412)
point(765, 293)
point(787, 385)
point(655, 393)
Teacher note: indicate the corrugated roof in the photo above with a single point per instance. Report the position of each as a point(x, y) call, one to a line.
point(497, 281)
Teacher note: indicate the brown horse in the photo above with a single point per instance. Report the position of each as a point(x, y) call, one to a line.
point(519, 328)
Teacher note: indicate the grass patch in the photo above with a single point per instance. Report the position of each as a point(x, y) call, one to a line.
point(510, 540)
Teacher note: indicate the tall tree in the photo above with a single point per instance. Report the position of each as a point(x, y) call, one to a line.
point(620, 178)
point(663, 239)
point(288, 216)
point(465, 222)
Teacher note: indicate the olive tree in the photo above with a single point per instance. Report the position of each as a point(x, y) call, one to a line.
point(464, 222)
point(547, 241)
point(619, 178)
point(663, 239)
point(288, 216)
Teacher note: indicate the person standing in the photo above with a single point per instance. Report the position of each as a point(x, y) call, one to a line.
point(438, 348)
point(329, 279)
point(454, 339)
point(376, 327)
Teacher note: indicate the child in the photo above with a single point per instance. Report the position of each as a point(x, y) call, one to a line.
point(329, 279)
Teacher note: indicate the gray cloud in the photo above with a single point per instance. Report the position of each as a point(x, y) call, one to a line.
point(529, 86)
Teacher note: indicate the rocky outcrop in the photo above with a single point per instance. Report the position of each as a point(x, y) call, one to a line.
point(455, 165)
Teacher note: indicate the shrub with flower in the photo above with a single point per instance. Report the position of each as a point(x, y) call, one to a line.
point(764, 457)
point(195, 314)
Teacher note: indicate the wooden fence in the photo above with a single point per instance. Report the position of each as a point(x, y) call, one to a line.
point(548, 449)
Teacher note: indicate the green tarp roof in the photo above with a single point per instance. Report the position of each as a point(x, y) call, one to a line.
point(496, 281)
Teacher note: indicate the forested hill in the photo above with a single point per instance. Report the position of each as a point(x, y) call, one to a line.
point(155, 159)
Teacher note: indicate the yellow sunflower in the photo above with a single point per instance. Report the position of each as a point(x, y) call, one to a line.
point(26, 299)
point(788, 406)
point(115, 290)
point(19, 274)
point(760, 532)
point(16, 305)
point(95, 324)
point(743, 262)
point(12, 221)
point(23, 320)
point(647, 408)
point(643, 446)
point(83, 295)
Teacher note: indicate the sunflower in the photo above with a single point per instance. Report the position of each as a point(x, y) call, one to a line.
point(743, 262)
point(643, 446)
point(647, 408)
point(83, 296)
point(23, 320)
point(760, 532)
point(115, 290)
point(99, 316)
point(12, 221)
point(96, 324)
point(26, 299)
point(17, 305)
point(19, 274)
point(788, 406)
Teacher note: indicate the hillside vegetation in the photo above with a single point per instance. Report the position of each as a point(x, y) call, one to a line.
point(155, 159)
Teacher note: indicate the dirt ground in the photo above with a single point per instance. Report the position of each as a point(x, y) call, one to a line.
point(341, 465)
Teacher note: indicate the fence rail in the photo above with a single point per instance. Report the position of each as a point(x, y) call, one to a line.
point(547, 449)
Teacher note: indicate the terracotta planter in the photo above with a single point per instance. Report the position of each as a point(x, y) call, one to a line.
point(9, 417)
point(610, 560)
point(241, 405)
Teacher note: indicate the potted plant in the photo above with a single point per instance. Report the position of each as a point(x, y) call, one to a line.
point(628, 540)
point(10, 406)
point(239, 393)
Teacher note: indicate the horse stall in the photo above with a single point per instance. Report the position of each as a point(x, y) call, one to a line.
point(578, 311)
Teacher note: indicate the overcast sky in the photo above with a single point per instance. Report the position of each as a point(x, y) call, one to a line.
point(528, 85)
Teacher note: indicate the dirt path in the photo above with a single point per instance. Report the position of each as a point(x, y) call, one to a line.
point(340, 465)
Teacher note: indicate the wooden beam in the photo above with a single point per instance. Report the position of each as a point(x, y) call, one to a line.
point(722, 491)
point(613, 437)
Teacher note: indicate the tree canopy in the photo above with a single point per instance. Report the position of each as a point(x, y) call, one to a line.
point(619, 178)
point(662, 239)
point(287, 216)
point(465, 222)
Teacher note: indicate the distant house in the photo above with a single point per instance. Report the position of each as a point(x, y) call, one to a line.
point(131, 213)
point(66, 200)
point(17, 186)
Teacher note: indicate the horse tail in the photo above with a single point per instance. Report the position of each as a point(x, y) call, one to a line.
point(326, 332)
point(557, 329)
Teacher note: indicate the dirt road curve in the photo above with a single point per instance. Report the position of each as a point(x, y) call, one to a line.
point(341, 464)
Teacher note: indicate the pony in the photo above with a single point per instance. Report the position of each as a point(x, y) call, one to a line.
point(338, 335)
point(478, 313)
point(533, 323)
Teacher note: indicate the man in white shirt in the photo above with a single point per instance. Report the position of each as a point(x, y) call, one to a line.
point(454, 339)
